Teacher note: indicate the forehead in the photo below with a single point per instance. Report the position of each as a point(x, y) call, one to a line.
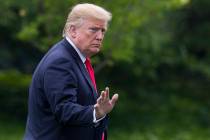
point(95, 23)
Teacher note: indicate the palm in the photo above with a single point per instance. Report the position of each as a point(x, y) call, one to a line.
point(104, 104)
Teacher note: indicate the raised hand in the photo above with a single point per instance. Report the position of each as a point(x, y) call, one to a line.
point(104, 104)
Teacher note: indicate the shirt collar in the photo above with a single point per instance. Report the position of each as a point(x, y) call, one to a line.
point(82, 57)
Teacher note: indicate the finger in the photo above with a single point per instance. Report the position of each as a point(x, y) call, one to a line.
point(114, 99)
point(99, 100)
point(103, 95)
point(107, 93)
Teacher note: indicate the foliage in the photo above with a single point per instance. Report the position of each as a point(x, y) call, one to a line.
point(142, 33)
point(155, 55)
point(39, 25)
point(166, 117)
point(13, 94)
point(11, 129)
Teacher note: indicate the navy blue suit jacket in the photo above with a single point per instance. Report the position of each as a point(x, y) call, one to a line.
point(61, 99)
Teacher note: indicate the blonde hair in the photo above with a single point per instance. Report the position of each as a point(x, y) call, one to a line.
point(84, 11)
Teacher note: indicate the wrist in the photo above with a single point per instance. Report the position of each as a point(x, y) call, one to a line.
point(98, 112)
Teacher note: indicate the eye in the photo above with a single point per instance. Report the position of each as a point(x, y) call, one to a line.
point(103, 30)
point(95, 29)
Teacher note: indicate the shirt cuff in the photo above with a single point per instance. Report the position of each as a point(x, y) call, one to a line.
point(94, 117)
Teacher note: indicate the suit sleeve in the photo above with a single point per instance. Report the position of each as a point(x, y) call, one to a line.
point(60, 86)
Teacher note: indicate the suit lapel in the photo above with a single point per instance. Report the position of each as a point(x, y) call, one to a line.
point(81, 66)
point(87, 77)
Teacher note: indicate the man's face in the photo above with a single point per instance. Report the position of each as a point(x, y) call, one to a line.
point(89, 36)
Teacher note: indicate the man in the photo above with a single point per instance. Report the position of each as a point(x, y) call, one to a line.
point(63, 99)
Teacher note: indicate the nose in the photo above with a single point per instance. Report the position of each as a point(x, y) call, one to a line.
point(100, 35)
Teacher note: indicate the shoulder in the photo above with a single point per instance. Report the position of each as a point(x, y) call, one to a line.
point(61, 52)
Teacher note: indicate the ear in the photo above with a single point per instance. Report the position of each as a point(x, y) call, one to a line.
point(73, 31)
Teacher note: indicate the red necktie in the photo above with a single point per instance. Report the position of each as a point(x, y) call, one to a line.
point(92, 77)
point(90, 71)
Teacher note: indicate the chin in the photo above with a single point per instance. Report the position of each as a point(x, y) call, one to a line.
point(95, 52)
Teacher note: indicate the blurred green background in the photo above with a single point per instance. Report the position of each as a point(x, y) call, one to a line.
point(156, 56)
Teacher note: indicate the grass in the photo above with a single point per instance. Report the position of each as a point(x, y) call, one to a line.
point(11, 129)
point(151, 116)
point(148, 116)
point(158, 133)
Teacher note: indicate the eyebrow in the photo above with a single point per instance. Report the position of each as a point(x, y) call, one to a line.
point(98, 28)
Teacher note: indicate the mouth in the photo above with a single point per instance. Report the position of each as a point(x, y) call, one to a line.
point(96, 45)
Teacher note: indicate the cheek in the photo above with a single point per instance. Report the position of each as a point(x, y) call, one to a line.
point(81, 39)
point(84, 43)
point(86, 40)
